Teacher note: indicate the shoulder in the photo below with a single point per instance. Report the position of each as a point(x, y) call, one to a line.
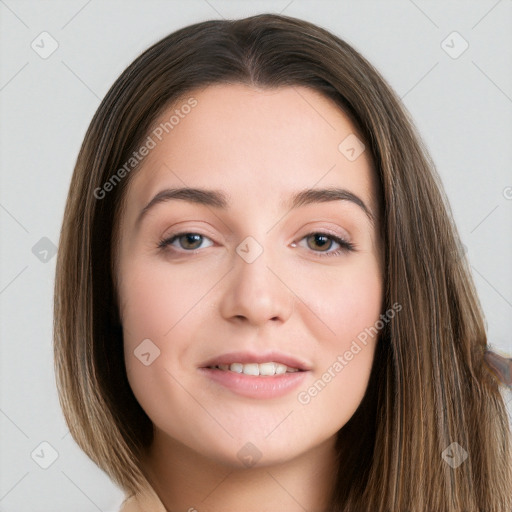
point(146, 501)
point(130, 505)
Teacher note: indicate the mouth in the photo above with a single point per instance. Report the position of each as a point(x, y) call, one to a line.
point(250, 363)
point(256, 376)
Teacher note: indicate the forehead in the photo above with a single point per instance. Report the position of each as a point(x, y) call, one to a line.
point(242, 139)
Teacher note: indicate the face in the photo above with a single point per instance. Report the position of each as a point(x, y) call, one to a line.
point(248, 310)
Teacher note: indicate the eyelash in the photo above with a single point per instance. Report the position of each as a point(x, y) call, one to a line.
point(345, 246)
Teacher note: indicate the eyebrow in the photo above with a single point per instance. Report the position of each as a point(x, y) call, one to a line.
point(218, 199)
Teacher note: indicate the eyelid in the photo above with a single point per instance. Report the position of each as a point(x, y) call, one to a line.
point(199, 227)
point(321, 225)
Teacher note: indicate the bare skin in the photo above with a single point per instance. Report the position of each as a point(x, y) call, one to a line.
point(197, 298)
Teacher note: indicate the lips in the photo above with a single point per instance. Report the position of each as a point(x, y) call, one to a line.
point(257, 376)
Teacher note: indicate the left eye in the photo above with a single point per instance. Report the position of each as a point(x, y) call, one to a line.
point(323, 242)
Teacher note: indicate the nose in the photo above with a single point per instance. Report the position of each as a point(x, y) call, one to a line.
point(256, 293)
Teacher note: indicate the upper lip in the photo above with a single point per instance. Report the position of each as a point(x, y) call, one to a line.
point(252, 357)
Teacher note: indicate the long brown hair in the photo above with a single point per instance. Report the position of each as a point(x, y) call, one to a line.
point(430, 385)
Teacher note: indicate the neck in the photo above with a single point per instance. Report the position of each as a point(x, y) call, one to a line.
point(186, 481)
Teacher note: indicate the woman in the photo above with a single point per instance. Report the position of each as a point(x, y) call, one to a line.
point(260, 297)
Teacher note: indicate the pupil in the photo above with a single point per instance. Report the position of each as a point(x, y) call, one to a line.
point(322, 241)
point(191, 238)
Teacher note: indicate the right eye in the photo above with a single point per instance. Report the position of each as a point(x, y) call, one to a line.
point(187, 241)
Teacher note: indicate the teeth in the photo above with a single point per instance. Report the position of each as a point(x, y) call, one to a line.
point(237, 367)
point(267, 369)
point(251, 369)
point(282, 368)
point(270, 368)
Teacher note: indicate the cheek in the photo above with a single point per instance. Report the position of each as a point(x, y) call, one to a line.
point(162, 309)
point(349, 305)
point(346, 300)
point(154, 299)
point(158, 315)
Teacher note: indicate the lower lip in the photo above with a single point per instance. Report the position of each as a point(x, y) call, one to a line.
point(252, 386)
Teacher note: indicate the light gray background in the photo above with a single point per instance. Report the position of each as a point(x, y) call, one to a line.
point(462, 107)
